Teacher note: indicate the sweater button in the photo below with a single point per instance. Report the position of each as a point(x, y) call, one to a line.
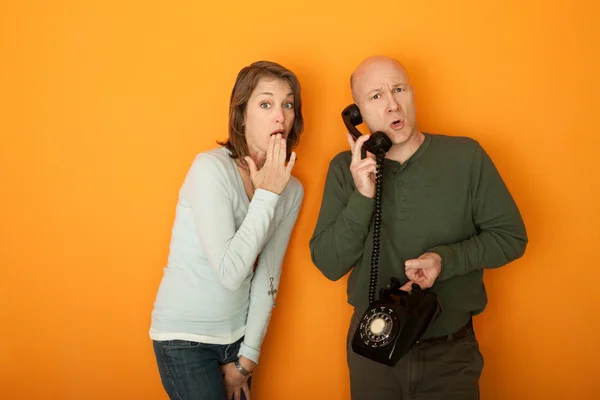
point(401, 198)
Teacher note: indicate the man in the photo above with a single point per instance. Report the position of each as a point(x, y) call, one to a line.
point(446, 216)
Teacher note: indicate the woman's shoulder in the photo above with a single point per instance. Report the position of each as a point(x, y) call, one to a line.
point(294, 190)
point(295, 185)
point(217, 154)
point(215, 159)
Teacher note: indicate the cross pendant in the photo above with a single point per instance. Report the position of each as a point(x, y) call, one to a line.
point(272, 292)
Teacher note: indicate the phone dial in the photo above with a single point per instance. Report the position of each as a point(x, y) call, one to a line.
point(395, 321)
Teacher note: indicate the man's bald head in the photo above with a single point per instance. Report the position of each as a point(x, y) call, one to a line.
point(385, 98)
point(372, 65)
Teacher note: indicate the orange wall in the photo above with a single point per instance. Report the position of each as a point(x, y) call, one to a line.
point(104, 106)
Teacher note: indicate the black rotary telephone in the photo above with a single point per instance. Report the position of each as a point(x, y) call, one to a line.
point(397, 320)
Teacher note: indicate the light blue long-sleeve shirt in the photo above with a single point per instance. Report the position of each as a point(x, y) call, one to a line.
point(210, 291)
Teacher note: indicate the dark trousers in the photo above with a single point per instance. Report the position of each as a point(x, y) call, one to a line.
point(429, 371)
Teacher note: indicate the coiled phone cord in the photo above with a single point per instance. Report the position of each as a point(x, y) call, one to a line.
point(374, 278)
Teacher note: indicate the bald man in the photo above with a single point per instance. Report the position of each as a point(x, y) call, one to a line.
point(447, 216)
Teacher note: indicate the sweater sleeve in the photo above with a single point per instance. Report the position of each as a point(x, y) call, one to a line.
point(269, 264)
point(230, 253)
point(342, 226)
point(501, 235)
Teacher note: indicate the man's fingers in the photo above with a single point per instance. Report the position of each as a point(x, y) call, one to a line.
point(366, 161)
point(411, 274)
point(356, 156)
point(407, 287)
point(350, 140)
point(369, 169)
point(366, 165)
point(415, 264)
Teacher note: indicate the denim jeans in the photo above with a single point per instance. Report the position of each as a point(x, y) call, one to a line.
point(191, 370)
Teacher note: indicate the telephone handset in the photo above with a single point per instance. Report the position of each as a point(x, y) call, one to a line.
point(397, 320)
point(378, 142)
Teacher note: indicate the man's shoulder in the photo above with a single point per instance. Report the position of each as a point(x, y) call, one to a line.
point(343, 158)
point(455, 149)
point(452, 152)
point(450, 142)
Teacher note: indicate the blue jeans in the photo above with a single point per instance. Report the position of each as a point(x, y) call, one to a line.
point(191, 370)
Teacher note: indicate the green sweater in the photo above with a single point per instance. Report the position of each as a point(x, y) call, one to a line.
point(448, 198)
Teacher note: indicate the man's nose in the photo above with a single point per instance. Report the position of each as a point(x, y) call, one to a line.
point(393, 105)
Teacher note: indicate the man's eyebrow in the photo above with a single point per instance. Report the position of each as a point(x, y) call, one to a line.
point(379, 89)
point(374, 90)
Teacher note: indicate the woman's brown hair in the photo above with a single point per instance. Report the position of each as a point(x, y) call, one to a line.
point(247, 80)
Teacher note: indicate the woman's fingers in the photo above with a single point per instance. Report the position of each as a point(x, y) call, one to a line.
point(291, 163)
point(270, 148)
point(276, 148)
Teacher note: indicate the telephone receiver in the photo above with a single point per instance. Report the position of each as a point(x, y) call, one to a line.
point(377, 143)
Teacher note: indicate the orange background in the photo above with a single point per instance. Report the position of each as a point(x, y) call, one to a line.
point(105, 105)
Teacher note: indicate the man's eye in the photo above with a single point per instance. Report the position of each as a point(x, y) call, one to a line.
point(376, 96)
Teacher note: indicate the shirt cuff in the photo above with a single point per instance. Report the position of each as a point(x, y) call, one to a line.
point(266, 196)
point(445, 254)
point(249, 352)
point(360, 209)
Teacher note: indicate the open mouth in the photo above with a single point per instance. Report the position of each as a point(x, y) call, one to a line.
point(397, 124)
point(278, 132)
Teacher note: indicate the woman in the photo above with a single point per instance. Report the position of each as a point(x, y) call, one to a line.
point(236, 211)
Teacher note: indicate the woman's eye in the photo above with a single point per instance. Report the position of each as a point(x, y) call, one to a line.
point(265, 105)
point(289, 105)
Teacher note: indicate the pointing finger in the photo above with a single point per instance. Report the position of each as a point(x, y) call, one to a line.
point(407, 286)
